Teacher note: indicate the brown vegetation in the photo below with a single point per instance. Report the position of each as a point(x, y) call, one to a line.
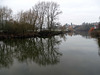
point(43, 16)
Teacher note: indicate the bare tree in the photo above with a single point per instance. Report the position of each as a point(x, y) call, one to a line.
point(5, 15)
point(47, 14)
point(35, 17)
point(40, 7)
point(43, 14)
point(54, 12)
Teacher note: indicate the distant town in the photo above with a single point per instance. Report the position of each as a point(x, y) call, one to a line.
point(73, 27)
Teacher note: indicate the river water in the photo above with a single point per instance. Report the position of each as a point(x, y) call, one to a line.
point(69, 54)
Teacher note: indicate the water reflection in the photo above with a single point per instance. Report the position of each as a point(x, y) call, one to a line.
point(41, 51)
point(71, 33)
point(6, 58)
point(63, 36)
point(98, 42)
point(84, 34)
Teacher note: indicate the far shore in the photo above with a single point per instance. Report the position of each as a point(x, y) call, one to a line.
point(95, 33)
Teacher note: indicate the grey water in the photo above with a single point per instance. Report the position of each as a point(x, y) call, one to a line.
point(68, 54)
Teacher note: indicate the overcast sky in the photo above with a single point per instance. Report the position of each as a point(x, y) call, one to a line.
point(75, 11)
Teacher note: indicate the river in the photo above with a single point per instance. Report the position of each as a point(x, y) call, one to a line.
point(69, 54)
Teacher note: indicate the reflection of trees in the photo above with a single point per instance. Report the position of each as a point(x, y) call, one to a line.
point(82, 33)
point(42, 51)
point(70, 33)
point(98, 41)
point(63, 36)
point(5, 56)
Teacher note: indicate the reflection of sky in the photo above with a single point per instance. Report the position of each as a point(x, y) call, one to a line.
point(78, 42)
point(80, 56)
point(75, 11)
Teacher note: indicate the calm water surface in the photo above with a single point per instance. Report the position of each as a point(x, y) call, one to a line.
point(58, 55)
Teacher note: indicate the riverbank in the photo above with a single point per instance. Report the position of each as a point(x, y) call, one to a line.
point(95, 33)
point(32, 34)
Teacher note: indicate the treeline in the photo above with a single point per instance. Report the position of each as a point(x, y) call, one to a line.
point(42, 16)
point(85, 26)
